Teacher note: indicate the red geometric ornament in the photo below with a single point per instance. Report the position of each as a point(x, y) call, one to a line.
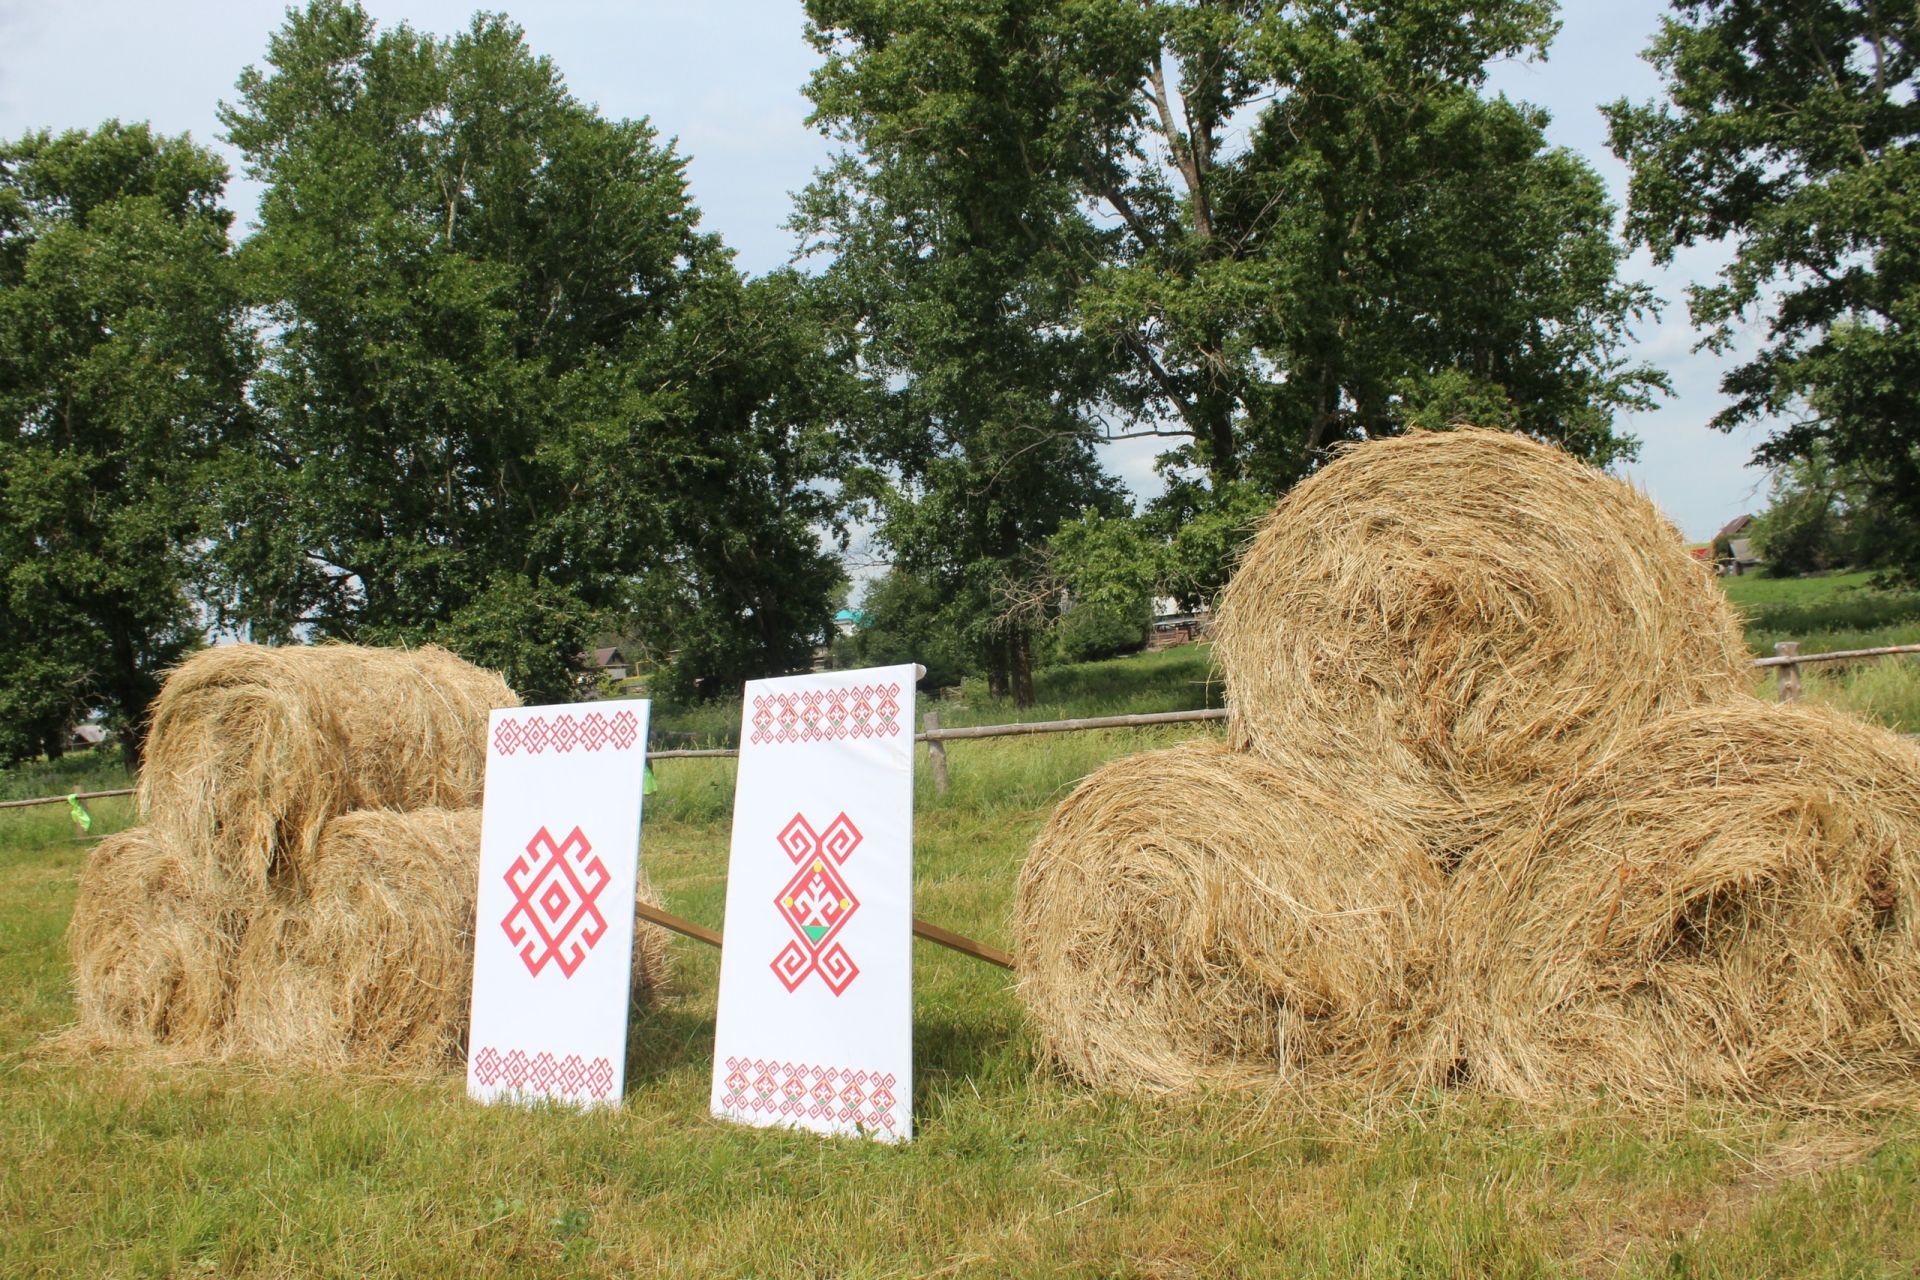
point(556, 913)
point(816, 904)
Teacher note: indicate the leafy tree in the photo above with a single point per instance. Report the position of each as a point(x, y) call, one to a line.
point(1258, 229)
point(1108, 571)
point(906, 621)
point(1791, 130)
point(1824, 515)
point(975, 431)
point(122, 362)
point(513, 395)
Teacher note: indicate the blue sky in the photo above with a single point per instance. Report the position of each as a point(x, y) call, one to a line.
point(724, 78)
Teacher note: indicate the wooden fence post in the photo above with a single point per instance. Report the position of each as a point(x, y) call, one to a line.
point(936, 753)
point(1789, 672)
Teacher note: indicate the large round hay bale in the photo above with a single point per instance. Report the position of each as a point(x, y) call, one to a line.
point(1443, 615)
point(1197, 916)
point(1727, 902)
point(375, 965)
point(153, 938)
point(254, 749)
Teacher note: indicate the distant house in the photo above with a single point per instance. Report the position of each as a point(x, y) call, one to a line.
point(1173, 625)
point(848, 621)
point(1739, 555)
point(611, 663)
point(85, 737)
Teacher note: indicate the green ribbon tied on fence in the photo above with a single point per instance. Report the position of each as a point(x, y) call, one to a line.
point(81, 818)
point(647, 785)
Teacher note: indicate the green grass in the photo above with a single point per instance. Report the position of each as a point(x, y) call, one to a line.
point(1833, 611)
point(132, 1166)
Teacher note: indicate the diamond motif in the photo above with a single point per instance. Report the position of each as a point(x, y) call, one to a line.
point(816, 904)
point(556, 913)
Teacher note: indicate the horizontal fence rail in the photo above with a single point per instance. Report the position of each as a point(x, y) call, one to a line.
point(1787, 658)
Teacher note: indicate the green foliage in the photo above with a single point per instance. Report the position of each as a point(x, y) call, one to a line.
point(1821, 515)
point(908, 619)
point(1793, 129)
point(976, 430)
point(1043, 229)
point(512, 395)
point(1109, 569)
point(122, 358)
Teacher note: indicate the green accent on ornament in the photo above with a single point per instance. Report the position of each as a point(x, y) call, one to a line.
point(815, 931)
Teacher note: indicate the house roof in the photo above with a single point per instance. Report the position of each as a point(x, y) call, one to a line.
point(1734, 528)
point(609, 658)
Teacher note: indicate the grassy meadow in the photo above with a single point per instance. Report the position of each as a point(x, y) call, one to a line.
point(135, 1166)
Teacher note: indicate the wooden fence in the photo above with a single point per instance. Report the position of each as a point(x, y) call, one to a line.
point(1787, 660)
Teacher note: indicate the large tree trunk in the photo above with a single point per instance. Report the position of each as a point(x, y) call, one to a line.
point(1020, 658)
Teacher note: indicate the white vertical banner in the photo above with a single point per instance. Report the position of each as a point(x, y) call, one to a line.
point(553, 931)
point(815, 1025)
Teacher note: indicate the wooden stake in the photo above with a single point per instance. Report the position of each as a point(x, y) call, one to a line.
point(1789, 671)
point(936, 753)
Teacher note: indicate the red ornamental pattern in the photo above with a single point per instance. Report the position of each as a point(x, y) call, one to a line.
point(826, 715)
point(571, 1078)
point(809, 1091)
point(816, 904)
point(562, 731)
point(556, 910)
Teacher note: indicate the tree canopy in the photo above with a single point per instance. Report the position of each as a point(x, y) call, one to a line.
point(1791, 131)
point(122, 365)
point(1257, 230)
point(511, 393)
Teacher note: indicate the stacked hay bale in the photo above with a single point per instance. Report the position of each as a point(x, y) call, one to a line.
point(1516, 805)
point(302, 885)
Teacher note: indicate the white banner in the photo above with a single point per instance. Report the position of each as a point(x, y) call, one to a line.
point(553, 934)
point(815, 1026)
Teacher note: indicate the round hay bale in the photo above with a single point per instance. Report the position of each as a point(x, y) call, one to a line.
point(1198, 916)
point(375, 966)
point(254, 749)
point(1727, 902)
point(153, 940)
point(1445, 615)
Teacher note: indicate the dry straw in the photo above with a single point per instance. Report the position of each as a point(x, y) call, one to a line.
point(1198, 915)
point(1443, 616)
point(153, 938)
point(1728, 902)
point(375, 966)
point(254, 749)
point(1638, 879)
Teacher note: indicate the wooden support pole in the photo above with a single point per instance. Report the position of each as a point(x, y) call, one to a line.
point(936, 753)
point(667, 920)
point(921, 929)
point(1789, 671)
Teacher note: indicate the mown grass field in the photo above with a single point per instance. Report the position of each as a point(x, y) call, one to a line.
point(137, 1167)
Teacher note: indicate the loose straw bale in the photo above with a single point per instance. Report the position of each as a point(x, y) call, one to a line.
point(1728, 902)
point(1197, 915)
point(1445, 615)
point(253, 749)
point(375, 967)
point(153, 937)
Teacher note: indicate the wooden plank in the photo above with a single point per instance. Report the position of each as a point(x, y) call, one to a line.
point(84, 795)
point(959, 942)
point(1834, 655)
point(667, 920)
point(921, 929)
point(1070, 726)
